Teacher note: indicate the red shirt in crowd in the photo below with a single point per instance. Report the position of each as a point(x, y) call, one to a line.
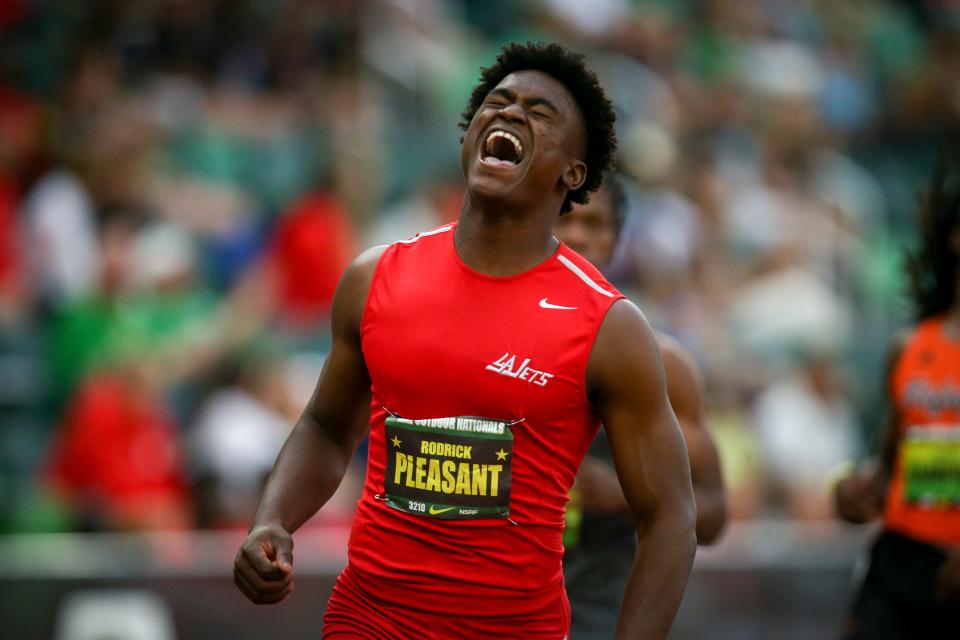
point(118, 458)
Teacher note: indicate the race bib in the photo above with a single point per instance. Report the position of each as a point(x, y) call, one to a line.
point(450, 468)
point(931, 458)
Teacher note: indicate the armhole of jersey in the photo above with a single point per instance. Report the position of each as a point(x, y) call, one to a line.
point(366, 303)
point(593, 343)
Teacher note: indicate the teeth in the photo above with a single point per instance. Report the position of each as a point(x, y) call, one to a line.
point(509, 136)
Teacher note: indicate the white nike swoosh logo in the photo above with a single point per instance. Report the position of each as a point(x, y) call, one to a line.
point(546, 305)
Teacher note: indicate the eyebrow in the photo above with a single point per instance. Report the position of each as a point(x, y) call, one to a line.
point(529, 102)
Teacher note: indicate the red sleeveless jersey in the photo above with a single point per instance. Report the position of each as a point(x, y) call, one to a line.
point(479, 422)
point(923, 500)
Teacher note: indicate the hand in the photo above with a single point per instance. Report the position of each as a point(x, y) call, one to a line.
point(263, 568)
point(856, 498)
point(948, 579)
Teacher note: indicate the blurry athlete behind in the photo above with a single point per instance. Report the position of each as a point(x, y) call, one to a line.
point(912, 588)
point(601, 545)
point(491, 352)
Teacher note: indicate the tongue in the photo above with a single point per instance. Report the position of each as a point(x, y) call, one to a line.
point(497, 162)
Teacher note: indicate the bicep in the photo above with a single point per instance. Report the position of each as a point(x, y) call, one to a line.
point(629, 391)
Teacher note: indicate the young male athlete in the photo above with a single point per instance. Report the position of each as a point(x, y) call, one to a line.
point(599, 547)
point(912, 588)
point(491, 352)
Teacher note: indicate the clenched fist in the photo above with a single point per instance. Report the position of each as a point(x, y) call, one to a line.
point(263, 568)
point(857, 499)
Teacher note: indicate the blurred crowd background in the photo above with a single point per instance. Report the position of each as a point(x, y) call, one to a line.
point(183, 181)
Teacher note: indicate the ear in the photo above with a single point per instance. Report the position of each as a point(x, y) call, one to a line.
point(575, 175)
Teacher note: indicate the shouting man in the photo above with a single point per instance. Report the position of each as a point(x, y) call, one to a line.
point(492, 352)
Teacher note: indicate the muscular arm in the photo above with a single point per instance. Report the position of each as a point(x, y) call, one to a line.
point(599, 486)
point(626, 383)
point(314, 458)
point(685, 391)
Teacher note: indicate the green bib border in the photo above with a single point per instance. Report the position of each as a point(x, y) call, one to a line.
point(417, 425)
point(407, 440)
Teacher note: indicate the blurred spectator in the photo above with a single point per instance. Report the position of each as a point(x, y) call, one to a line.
point(149, 304)
point(785, 308)
point(82, 326)
point(313, 243)
point(62, 238)
point(20, 149)
point(435, 203)
point(805, 426)
point(11, 284)
point(117, 462)
point(237, 436)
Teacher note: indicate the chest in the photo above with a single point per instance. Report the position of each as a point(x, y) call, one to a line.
point(928, 388)
point(440, 343)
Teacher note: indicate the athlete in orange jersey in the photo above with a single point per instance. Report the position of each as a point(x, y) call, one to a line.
point(912, 589)
point(599, 546)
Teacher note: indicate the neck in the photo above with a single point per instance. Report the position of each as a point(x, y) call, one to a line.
point(498, 242)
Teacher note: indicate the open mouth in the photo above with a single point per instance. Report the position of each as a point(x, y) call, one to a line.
point(502, 149)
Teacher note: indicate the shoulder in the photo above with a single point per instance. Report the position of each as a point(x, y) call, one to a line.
point(351, 294)
point(590, 279)
point(900, 342)
point(626, 322)
point(417, 250)
point(684, 383)
point(625, 347)
point(678, 363)
point(364, 266)
point(675, 356)
point(431, 238)
point(413, 253)
point(926, 330)
point(361, 269)
point(910, 339)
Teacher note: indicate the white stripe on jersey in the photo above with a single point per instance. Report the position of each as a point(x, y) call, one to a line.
point(426, 233)
point(583, 276)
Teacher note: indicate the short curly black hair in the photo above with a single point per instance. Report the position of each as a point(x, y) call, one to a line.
point(568, 68)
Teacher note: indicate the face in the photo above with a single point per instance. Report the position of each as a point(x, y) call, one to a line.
point(525, 142)
point(590, 229)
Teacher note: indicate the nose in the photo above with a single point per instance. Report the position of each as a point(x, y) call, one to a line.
point(513, 113)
